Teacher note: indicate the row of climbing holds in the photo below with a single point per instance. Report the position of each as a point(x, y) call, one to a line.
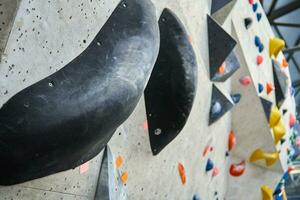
point(259, 154)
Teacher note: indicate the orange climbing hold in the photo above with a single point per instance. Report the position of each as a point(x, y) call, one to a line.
point(269, 87)
point(292, 120)
point(231, 140)
point(119, 161)
point(181, 173)
point(237, 169)
point(284, 63)
point(259, 60)
point(222, 68)
point(124, 177)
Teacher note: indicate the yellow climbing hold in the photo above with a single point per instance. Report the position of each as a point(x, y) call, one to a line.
point(259, 154)
point(275, 46)
point(275, 116)
point(267, 193)
point(279, 131)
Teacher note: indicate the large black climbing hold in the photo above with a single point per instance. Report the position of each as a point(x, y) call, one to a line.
point(171, 89)
point(220, 9)
point(220, 105)
point(109, 186)
point(267, 106)
point(280, 83)
point(220, 45)
point(67, 118)
point(231, 65)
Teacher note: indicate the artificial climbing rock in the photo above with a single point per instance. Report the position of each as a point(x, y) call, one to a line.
point(231, 140)
point(269, 88)
point(259, 154)
point(275, 116)
point(170, 92)
point(258, 16)
point(237, 169)
point(221, 44)
point(219, 105)
point(275, 46)
point(279, 131)
point(260, 88)
point(209, 165)
point(245, 80)
point(236, 98)
point(248, 22)
point(267, 193)
point(259, 60)
point(59, 123)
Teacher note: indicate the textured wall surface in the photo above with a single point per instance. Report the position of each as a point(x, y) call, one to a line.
point(47, 35)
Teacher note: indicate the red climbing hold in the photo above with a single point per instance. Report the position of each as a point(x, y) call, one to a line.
point(181, 173)
point(145, 125)
point(251, 2)
point(259, 60)
point(292, 120)
point(215, 171)
point(284, 64)
point(291, 168)
point(237, 169)
point(231, 140)
point(269, 88)
point(246, 80)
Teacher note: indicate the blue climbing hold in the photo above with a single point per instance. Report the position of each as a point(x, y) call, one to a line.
point(286, 176)
point(196, 197)
point(258, 16)
point(254, 7)
point(257, 41)
point(209, 165)
point(236, 98)
point(261, 48)
point(260, 88)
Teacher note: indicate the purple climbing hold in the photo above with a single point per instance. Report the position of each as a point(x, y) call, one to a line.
point(209, 165)
point(254, 7)
point(257, 41)
point(258, 16)
point(260, 88)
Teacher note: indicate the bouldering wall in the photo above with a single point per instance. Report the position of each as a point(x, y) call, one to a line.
point(194, 162)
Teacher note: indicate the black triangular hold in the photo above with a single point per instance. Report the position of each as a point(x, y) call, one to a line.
point(171, 89)
point(218, 98)
point(280, 84)
point(284, 111)
point(220, 45)
point(231, 65)
point(218, 4)
point(267, 106)
point(248, 22)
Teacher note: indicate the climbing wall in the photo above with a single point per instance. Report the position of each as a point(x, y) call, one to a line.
point(195, 163)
